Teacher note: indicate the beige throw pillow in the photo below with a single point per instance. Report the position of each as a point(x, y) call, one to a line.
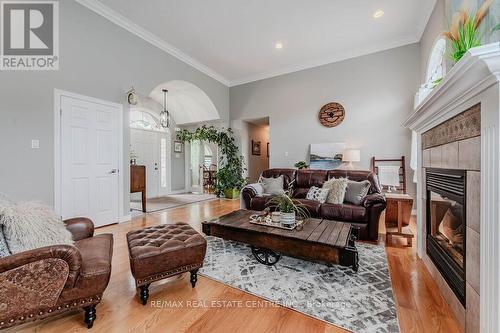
point(337, 189)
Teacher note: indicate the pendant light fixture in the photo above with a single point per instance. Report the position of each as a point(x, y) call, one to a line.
point(164, 114)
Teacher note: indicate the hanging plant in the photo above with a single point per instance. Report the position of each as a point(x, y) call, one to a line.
point(464, 32)
point(229, 179)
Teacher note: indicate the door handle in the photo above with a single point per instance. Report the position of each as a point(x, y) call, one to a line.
point(112, 171)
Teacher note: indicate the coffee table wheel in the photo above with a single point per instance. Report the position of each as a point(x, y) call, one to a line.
point(266, 256)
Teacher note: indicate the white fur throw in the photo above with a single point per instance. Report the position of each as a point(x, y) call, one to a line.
point(337, 189)
point(31, 225)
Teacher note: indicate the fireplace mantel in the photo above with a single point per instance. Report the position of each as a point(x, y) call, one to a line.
point(474, 79)
point(478, 70)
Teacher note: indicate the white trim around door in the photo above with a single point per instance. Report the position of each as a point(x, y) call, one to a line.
point(58, 95)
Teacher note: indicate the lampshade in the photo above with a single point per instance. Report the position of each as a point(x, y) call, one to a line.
point(351, 155)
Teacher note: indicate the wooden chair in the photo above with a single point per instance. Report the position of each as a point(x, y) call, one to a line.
point(402, 170)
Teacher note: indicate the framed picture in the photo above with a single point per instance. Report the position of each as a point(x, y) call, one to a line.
point(256, 148)
point(177, 146)
point(326, 156)
point(268, 149)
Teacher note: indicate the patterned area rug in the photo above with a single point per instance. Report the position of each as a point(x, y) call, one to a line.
point(360, 302)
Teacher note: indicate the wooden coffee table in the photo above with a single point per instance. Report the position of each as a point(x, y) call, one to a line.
point(325, 241)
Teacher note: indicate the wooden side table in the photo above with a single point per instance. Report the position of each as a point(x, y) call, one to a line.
point(397, 217)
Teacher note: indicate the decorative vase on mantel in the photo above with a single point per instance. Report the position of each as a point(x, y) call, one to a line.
point(287, 218)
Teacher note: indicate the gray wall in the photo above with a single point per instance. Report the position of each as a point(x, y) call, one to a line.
point(376, 90)
point(98, 59)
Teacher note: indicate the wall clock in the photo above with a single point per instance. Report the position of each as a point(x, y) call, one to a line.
point(331, 114)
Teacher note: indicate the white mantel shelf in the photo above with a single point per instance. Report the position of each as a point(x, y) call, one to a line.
point(474, 79)
point(478, 70)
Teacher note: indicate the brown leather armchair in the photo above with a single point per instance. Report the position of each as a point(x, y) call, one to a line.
point(51, 280)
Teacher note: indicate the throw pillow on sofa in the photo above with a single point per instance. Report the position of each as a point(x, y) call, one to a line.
point(337, 188)
point(272, 186)
point(31, 225)
point(356, 191)
point(317, 194)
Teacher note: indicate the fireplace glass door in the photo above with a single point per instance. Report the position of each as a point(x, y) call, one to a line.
point(446, 225)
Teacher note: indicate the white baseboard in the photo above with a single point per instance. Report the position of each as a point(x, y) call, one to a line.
point(125, 218)
point(179, 191)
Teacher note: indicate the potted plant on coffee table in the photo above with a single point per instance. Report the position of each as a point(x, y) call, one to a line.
point(289, 208)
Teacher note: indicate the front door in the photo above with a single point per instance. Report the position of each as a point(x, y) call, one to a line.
point(89, 160)
point(146, 145)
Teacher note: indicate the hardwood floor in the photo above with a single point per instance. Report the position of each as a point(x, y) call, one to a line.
point(420, 306)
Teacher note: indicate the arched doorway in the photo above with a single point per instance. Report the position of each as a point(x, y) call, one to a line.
point(189, 106)
point(173, 169)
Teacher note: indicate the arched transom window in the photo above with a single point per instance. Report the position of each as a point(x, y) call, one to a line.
point(144, 120)
point(435, 67)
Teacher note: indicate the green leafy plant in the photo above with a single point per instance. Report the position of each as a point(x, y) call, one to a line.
point(284, 203)
point(464, 32)
point(495, 28)
point(229, 175)
point(301, 165)
point(436, 83)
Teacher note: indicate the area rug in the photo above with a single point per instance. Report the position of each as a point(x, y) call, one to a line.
point(359, 302)
point(170, 201)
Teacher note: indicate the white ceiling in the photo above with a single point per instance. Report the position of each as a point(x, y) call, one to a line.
point(233, 40)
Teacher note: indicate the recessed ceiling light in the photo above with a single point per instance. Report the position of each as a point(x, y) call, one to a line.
point(278, 46)
point(378, 14)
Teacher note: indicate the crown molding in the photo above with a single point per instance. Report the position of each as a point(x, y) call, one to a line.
point(366, 50)
point(120, 20)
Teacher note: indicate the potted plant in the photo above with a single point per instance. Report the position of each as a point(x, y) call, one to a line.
point(301, 165)
point(289, 208)
point(229, 181)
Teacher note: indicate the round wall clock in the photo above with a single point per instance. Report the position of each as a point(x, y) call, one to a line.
point(331, 114)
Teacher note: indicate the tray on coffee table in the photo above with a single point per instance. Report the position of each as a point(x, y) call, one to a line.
point(267, 221)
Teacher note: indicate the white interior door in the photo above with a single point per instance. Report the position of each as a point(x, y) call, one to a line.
point(89, 161)
point(146, 145)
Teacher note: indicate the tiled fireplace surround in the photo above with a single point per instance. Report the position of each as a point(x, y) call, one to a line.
point(458, 127)
point(456, 144)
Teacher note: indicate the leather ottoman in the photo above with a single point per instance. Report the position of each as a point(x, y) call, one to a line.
point(162, 251)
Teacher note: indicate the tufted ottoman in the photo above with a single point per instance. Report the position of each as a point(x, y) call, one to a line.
point(162, 251)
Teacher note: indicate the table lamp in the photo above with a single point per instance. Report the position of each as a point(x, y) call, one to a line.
point(351, 155)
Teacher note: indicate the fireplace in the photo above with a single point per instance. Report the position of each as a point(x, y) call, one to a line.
point(446, 225)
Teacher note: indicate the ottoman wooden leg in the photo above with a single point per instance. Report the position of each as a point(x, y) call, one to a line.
point(144, 294)
point(194, 277)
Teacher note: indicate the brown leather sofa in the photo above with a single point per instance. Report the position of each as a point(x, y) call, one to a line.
point(51, 280)
point(366, 215)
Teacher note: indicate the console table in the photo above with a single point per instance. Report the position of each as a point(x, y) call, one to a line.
point(138, 182)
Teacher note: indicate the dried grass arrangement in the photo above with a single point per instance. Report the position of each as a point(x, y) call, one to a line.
point(464, 32)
